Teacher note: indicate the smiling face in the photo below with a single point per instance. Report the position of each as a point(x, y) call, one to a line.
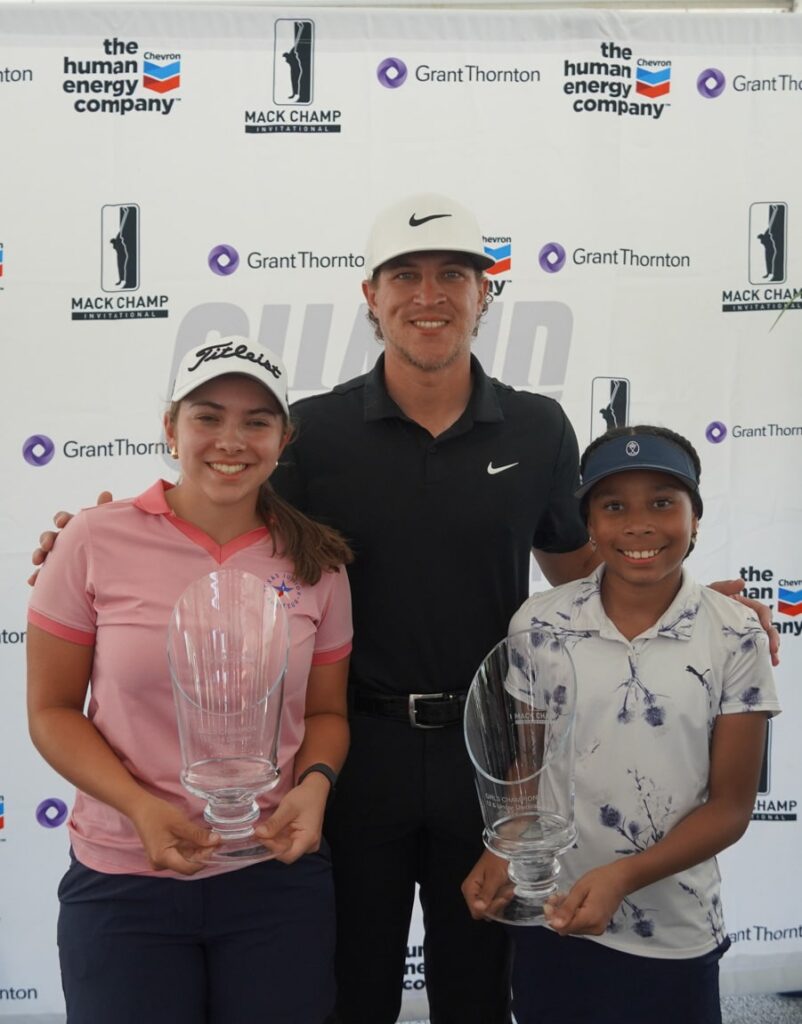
point(428, 305)
point(642, 522)
point(229, 434)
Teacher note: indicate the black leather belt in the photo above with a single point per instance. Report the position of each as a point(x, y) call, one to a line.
point(420, 710)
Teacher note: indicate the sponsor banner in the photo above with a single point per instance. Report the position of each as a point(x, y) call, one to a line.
point(118, 76)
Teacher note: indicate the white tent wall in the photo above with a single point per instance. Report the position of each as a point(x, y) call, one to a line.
point(623, 166)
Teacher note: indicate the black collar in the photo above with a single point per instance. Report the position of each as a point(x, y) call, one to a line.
point(483, 405)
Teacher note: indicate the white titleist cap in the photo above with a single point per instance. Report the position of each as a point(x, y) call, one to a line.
point(231, 355)
point(425, 223)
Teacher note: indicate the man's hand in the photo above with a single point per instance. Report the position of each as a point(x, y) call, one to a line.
point(48, 538)
point(487, 889)
point(733, 588)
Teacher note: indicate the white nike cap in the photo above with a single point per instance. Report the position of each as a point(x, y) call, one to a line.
point(424, 223)
point(231, 355)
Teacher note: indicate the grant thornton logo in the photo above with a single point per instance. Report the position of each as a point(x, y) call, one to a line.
point(38, 450)
point(392, 72)
point(551, 258)
point(711, 83)
point(223, 260)
point(51, 813)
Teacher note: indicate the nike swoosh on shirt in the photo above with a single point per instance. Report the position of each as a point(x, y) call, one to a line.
point(415, 222)
point(492, 470)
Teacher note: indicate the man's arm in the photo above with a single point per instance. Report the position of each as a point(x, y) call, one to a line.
point(565, 566)
point(48, 538)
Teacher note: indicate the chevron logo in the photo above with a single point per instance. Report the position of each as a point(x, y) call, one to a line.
point(789, 602)
point(502, 254)
point(652, 83)
point(161, 77)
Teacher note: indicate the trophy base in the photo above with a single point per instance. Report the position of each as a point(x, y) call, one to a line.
point(517, 911)
point(244, 849)
point(517, 905)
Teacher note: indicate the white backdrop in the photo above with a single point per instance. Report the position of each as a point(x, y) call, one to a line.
point(623, 167)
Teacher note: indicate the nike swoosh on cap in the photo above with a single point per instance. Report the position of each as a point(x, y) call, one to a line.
point(415, 222)
point(492, 470)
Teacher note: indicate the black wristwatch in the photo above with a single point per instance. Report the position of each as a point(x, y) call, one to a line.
point(324, 769)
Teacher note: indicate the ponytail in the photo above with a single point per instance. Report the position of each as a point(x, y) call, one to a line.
point(311, 547)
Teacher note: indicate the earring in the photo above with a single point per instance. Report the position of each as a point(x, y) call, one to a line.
point(173, 452)
point(694, 535)
point(593, 543)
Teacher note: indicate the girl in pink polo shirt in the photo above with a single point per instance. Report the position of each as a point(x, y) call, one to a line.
point(238, 944)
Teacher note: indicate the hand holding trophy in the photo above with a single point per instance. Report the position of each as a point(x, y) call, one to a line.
point(519, 718)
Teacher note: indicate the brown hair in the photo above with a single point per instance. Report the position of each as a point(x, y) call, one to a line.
point(311, 547)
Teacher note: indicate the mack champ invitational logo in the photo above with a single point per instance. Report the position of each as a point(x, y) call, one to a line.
point(294, 106)
point(766, 264)
point(111, 84)
point(120, 271)
point(609, 404)
point(606, 86)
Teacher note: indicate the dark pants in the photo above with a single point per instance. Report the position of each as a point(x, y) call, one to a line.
point(570, 980)
point(253, 946)
point(406, 811)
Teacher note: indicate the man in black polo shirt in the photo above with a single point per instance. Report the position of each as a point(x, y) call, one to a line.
point(443, 480)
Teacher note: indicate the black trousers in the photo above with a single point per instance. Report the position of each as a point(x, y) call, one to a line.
point(569, 980)
point(406, 811)
point(253, 946)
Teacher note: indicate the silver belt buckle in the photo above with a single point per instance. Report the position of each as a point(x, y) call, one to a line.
point(413, 711)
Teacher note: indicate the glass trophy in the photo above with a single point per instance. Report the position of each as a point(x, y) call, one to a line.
point(519, 717)
point(227, 650)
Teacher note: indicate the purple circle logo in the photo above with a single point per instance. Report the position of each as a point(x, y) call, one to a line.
point(710, 83)
point(38, 450)
point(716, 432)
point(392, 72)
point(223, 260)
point(551, 258)
point(51, 813)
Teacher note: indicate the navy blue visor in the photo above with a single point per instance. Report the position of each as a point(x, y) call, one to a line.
point(638, 451)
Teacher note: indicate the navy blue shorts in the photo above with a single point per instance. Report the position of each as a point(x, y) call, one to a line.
point(569, 980)
point(253, 946)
